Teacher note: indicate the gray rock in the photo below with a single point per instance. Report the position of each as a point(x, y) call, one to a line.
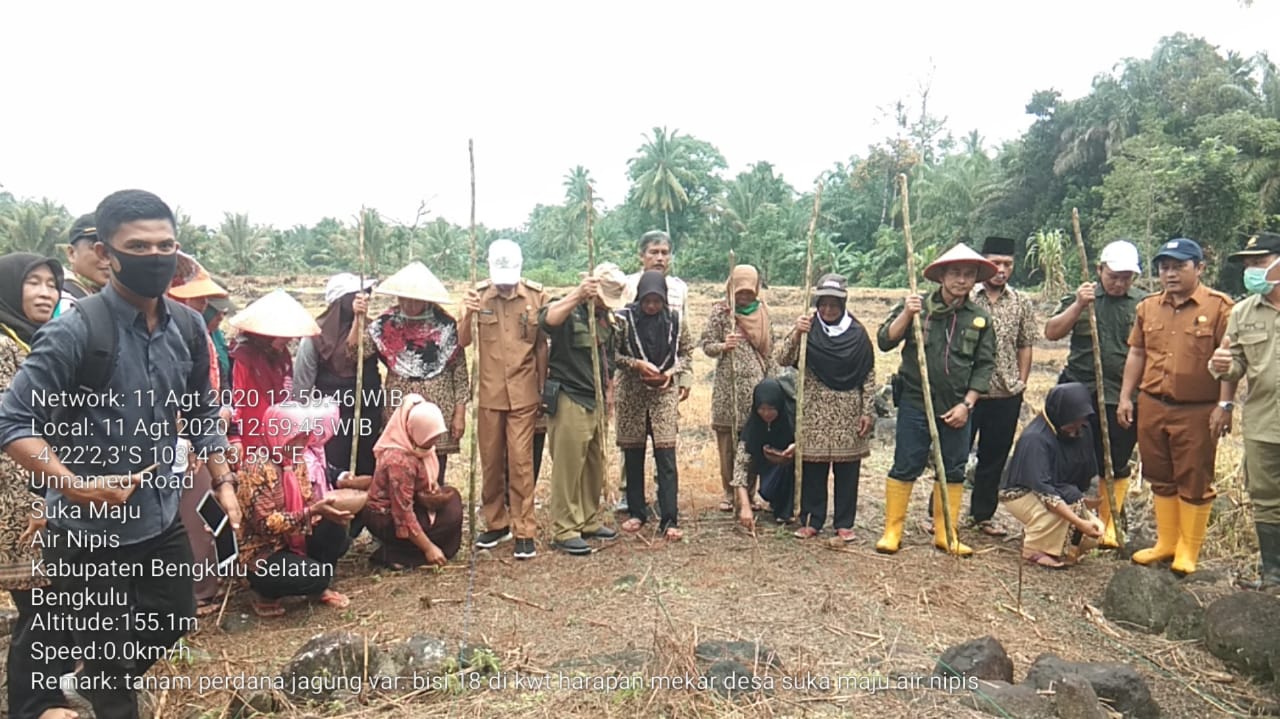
point(1074, 698)
point(1003, 699)
point(749, 653)
point(1243, 630)
point(1141, 598)
point(1119, 684)
point(237, 623)
point(327, 665)
point(729, 679)
point(1186, 619)
point(420, 654)
point(983, 658)
point(261, 703)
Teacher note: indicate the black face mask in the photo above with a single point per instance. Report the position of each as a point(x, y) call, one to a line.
point(145, 275)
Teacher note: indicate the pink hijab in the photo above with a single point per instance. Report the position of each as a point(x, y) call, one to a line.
point(284, 424)
point(415, 419)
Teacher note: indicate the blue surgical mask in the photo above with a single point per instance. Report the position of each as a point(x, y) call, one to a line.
point(1255, 279)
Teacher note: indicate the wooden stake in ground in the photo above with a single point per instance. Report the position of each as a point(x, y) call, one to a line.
point(804, 348)
point(1108, 470)
point(733, 327)
point(475, 364)
point(355, 426)
point(953, 539)
point(601, 412)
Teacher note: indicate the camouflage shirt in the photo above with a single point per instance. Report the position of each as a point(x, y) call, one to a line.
point(1014, 320)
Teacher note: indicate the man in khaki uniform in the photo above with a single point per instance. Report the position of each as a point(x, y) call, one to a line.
point(1252, 350)
point(513, 366)
point(1183, 409)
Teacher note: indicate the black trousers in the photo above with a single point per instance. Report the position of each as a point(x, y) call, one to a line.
point(157, 610)
point(326, 545)
point(27, 698)
point(813, 493)
point(995, 422)
point(539, 441)
point(668, 486)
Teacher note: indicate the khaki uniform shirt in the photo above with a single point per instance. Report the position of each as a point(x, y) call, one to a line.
point(1254, 330)
point(1179, 340)
point(1014, 320)
point(508, 339)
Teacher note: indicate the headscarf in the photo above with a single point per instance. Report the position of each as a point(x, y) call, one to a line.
point(14, 269)
point(840, 355)
point(320, 423)
point(752, 320)
point(331, 344)
point(414, 418)
point(219, 341)
point(285, 423)
point(758, 434)
point(270, 368)
point(1043, 459)
point(653, 338)
point(416, 348)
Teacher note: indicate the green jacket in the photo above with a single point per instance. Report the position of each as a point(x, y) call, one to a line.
point(961, 351)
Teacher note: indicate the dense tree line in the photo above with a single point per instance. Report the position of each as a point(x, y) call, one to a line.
point(1185, 142)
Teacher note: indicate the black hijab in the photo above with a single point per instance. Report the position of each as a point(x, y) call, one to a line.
point(14, 268)
point(655, 337)
point(844, 361)
point(1049, 462)
point(758, 434)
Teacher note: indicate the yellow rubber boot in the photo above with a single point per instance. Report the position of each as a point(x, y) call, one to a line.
point(955, 496)
point(1194, 521)
point(897, 495)
point(1120, 489)
point(1167, 531)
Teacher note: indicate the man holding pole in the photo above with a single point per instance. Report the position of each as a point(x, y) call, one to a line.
point(1249, 351)
point(577, 425)
point(1115, 307)
point(960, 346)
point(513, 367)
point(1173, 338)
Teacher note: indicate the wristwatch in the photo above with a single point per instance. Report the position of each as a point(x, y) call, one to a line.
point(1226, 406)
point(967, 404)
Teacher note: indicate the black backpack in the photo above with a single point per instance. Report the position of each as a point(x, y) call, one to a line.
point(99, 360)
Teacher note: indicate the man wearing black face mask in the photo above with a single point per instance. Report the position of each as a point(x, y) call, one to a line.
point(115, 544)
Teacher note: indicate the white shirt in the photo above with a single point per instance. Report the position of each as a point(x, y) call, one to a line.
point(677, 292)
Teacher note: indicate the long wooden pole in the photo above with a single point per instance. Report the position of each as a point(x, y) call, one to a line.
point(601, 413)
point(359, 398)
point(939, 468)
point(475, 363)
point(733, 327)
point(804, 349)
point(1108, 470)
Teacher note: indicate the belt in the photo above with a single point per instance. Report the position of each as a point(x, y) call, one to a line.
point(1165, 399)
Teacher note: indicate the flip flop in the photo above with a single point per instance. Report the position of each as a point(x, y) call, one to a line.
point(1048, 561)
point(674, 534)
point(267, 609)
point(337, 600)
point(990, 528)
point(632, 525)
point(205, 609)
point(726, 505)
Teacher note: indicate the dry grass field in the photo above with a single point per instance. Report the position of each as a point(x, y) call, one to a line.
point(827, 611)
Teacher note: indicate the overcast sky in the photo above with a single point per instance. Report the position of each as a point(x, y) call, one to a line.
point(292, 111)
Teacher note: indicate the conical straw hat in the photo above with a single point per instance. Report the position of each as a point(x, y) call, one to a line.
point(276, 315)
point(415, 282)
point(961, 254)
point(191, 280)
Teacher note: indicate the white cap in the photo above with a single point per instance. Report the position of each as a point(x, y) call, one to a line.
point(505, 262)
point(343, 284)
point(1120, 256)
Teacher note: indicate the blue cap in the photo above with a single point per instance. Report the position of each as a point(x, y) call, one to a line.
point(1181, 249)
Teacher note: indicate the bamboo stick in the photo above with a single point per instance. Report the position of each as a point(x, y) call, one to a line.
point(475, 364)
point(1108, 470)
point(953, 539)
point(359, 399)
point(804, 350)
point(601, 413)
point(733, 383)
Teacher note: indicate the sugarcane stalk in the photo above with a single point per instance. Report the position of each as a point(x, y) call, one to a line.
point(475, 364)
point(804, 349)
point(359, 398)
point(1108, 470)
point(917, 331)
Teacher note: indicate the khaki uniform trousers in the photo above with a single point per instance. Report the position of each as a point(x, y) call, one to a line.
point(1178, 455)
point(506, 459)
point(576, 440)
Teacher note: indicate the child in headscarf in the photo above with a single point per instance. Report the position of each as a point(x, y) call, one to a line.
point(417, 521)
point(653, 351)
point(767, 448)
point(292, 539)
point(30, 289)
point(740, 338)
point(1051, 469)
point(839, 406)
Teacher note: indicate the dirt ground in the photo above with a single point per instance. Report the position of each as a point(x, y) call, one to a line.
point(827, 611)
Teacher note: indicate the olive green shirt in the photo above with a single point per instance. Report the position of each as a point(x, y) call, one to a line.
point(1115, 321)
point(1254, 331)
point(569, 360)
point(961, 350)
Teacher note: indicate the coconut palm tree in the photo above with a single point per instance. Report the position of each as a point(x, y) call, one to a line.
point(661, 175)
point(243, 239)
